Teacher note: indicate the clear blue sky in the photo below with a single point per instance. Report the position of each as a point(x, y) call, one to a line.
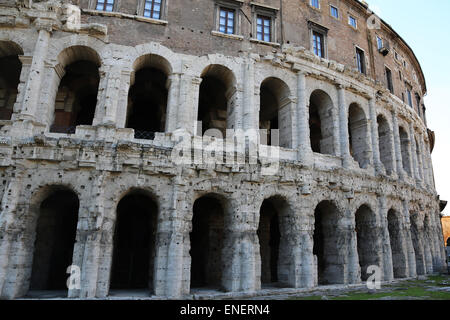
point(425, 26)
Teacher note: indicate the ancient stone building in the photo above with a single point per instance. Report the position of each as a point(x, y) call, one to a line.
point(97, 96)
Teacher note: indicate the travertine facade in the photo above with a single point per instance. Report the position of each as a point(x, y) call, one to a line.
point(94, 103)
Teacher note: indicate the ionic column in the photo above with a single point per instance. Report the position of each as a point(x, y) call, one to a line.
point(187, 114)
point(35, 76)
point(375, 138)
point(343, 138)
point(122, 104)
point(249, 110)
point(173, 86)
point(305, 154)
point(106, 111)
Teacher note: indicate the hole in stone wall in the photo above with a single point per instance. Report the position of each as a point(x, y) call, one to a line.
point(55, 239)
point(269, 242)
point(76, 98)
point(385, 144)
point(326, 249)
point(134, 242)
point(395, 238)
point(10, 69)
point(358, 130)
point(321, 123)
point(147, 103)
point(207, 243)
point(405, 144)
point(416, 231)
point(275, 112)
point(366, 234)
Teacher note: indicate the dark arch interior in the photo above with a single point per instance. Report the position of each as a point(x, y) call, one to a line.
point(321, 123)
point(269, 242)
point(315, 128)
point(207, 243)
point(357, 131)
point(385, 144)
point(77, 97)
point(147, 103)
point(448, 242)
point(213, 104)
point(366, 239)
point(268, 114)
point(417, 244)
point(55, 239)
point(398, 257)
point(10, 68)
point(134, 243)
point(405, 143)
point(326, 247)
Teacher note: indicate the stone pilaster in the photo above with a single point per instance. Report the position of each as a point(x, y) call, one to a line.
point(374, 137)
point(397, 146)
point(343, 137)
point(305, 154)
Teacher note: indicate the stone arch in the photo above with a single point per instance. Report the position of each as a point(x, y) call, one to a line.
point(321, 123)
point(275, 111)
point(55, 216)
point(399, 256)
point(207, 240)
point(386, 145)
point(358, 130)
point(148, 96)
point(366, 235)
point(405, 150)
point(274, 230)
point(76, 97)
point(217, 98)
point(417, 241)
point(11, 68)
point(327, 249)
point(134, 241)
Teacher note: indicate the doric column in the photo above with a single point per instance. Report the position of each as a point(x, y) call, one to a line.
point(305, 154)
point(35, 76)
point(374, 134)
point(388, 269)
point(343, 137)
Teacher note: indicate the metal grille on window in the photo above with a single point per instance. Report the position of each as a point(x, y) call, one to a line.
point(263, 26)
point(152, 9)
point(105, 5)
point(226, 22)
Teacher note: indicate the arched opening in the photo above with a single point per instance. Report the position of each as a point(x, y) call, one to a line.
point(275, 112)
point(357, 132)
point(217, 98)
point(395, 238)
point(366, 235)
point(134, 242)
point(418, 159)
point(10, 69)
point(207, 243)
point(416, 234)
point(321, 123)
point(76, 98)
point(385, 144)
point(405, 147)
point(326, 246)
point(147, 97)
point(55, 239)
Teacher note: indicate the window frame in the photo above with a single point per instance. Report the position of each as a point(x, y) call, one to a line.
point(311, 3)
point(356, 22)
point(94, 5)
point(162, 14)
point(380, 43)
point(268, 12)
point(230, 5)
point(321, 30)
point(363, 69)
point(337, 12)
point(389, 80)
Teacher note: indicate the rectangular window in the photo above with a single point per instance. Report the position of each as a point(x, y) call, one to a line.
point(389, 80)
point(226, 20)
point(408, 93)
point(334, 12)
point(105, 5)
point(315, 4)
point(318, 44)
point(352, 22)
point(361, 61)
point(395, 55)
point(152, 9)
point(400, 75)
point(379, 43)
point(263, 28)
